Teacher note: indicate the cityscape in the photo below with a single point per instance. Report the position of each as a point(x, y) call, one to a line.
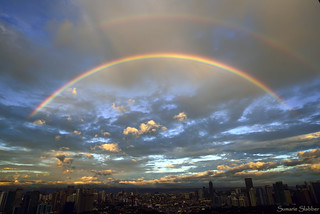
point(275, 198)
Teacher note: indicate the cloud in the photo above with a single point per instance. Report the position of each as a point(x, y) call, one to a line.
point(315, 153)
point(147, 127)
point(131, 100)
point(104, 172)
point(111, 147)
point(87, 179)
point(64, 161)
point(119, 109)
point(90, 156)
point(131, 130)
point(250, 165)
point(61, 157)
point(74, 91)
point(77, 132)
point(180, 117)
point(310, 167)
point(68, 171)
point(39, 122)
point(105, 133)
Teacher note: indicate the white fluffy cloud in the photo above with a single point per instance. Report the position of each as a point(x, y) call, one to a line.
point(147, 127)
point(111, 147)
point(180, 117)
point(120, 108)
point(39, 122)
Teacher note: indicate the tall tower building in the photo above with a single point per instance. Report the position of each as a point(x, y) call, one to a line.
point(261, 197)
point(279, 193)
point(211, 190)
point(270, 199)
point(253, 197)
point(315, 187)
point(249, 183)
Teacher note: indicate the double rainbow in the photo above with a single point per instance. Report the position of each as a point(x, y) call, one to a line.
point(178, 56)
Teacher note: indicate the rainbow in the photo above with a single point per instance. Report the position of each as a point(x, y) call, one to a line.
point(178, 56)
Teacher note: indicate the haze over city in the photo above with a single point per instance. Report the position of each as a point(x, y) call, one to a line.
point(159, 93)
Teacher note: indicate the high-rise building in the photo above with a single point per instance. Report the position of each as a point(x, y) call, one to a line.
point(3, 199)
point(302, 196)
point(252, 197)
point(279, 194)
point(18, 198)
point(288, 197)
point(85, 201)
point(102, 196)
point(270, 199)
point(249, 183)
point(9, 202)
point(30, 202)
point(211, 190)
point(70, 190)
point(315, 185)
point(261, 197)
point(44, 208)
point(200, 194)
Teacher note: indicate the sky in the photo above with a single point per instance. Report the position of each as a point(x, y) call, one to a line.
point(196, 91)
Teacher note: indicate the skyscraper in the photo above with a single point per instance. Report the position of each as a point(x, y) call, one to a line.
point(315, 185)
point(270, 199)
point(249, 183)
point(210, 190)
point(261, 198)
point(279, 193)
point(252, 197)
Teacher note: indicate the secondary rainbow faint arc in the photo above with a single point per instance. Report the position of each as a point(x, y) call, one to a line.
point(267, 40)
point(203, 60)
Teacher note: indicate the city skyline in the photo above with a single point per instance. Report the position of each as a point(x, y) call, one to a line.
point(251, 199)
point(159, 94)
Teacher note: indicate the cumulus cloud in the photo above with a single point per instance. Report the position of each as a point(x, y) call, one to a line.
point(74, 91)
point(147, 127)
point(111, 147)
point(131, 130)
point(39, 122)
point(120, 108)
point(89, 156)
point(77, 132)
point(105, 133)
point(180, 117)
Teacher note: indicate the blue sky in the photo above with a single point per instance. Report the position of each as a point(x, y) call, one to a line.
point(159, 122)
